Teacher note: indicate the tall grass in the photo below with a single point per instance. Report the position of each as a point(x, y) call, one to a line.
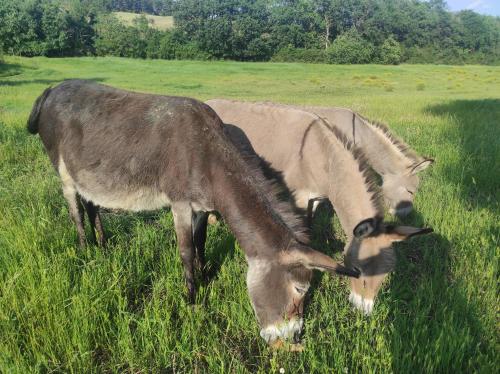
point(123, 308)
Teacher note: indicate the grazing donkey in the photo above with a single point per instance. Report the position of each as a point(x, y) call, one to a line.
point(123, 150)
point(388, 155)
point(318, 162)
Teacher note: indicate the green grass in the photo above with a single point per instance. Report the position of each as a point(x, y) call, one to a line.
point(122, 309)
point(158, 22)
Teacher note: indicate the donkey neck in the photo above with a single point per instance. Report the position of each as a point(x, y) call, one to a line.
point(351, 189)
point(261, 224)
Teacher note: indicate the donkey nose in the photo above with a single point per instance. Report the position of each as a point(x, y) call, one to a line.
point(349, 271)
point(404, 208)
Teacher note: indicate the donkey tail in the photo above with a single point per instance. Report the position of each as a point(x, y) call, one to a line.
point(35, 111)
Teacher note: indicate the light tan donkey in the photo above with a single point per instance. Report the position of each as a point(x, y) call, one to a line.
point(318, 161)
point(388, 155)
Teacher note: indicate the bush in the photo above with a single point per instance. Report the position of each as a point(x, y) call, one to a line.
point(191, 51)
point(142, 41)
point(167, 47)
point(450, 55)
point(291, 54)
point(350, 48)
point(116, 39)
point(21, 29)
point(109, 38)
point(173, 46)
point(153, 44)
point(54, 25)
point(43, 27)
point(258, 49)
point(390, 52)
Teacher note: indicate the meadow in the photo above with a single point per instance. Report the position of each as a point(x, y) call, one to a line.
point(161, 23)
point(123, 308)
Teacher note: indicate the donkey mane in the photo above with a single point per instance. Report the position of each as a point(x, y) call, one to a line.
point(404, 148)
point(370, 179)
point(400, 145)
point(274, 194)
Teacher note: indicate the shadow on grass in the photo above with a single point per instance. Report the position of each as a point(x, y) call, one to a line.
point(325, 240)
point(120, 227)
point(476, 132)
point(9, 70)
point(435, 328)
point(12, 83)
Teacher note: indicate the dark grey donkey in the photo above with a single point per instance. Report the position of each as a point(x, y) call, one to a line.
point(123, 150)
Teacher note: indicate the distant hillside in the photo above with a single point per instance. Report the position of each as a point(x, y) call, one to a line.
point(158, 22)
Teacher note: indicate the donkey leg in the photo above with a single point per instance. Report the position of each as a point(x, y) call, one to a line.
point(76, 211)
point(310, 212)
point(95, 222)
point(101, 240)
point(183, 213)
point(312, 205)
point(199, 224)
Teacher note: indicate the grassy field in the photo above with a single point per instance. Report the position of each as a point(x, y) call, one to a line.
point(158, 22)
point(123, 309)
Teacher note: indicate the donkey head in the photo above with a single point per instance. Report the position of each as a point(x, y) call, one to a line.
point(399, 189)
point(370, 251)
point(277, 287)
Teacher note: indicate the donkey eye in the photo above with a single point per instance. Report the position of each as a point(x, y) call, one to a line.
point(300, 290)
point(410, 192)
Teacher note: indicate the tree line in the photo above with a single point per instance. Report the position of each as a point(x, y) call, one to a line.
point(331, 31)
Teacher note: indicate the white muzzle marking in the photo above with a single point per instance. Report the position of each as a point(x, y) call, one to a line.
point(365, 305)
point(284, 330)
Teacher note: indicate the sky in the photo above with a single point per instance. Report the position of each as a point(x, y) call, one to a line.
point(491, 7)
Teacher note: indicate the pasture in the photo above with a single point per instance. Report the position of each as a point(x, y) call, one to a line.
point(161, 23)
point(123, 308)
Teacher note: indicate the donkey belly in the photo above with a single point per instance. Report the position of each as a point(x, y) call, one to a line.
point(109, 190)
point(136, 200)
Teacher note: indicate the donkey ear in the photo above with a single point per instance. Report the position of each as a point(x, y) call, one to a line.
point(364, 228)
point(311, 259)
point(400, 233)
point(421, 166)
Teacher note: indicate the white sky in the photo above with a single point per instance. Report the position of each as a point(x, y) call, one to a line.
point(491, 7)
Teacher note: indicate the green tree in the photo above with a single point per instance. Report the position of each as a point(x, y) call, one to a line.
point(114, 38)
point(18, 29)
point(54, 24)
point(390, 52)
point(254, 30)
point(350, 48)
